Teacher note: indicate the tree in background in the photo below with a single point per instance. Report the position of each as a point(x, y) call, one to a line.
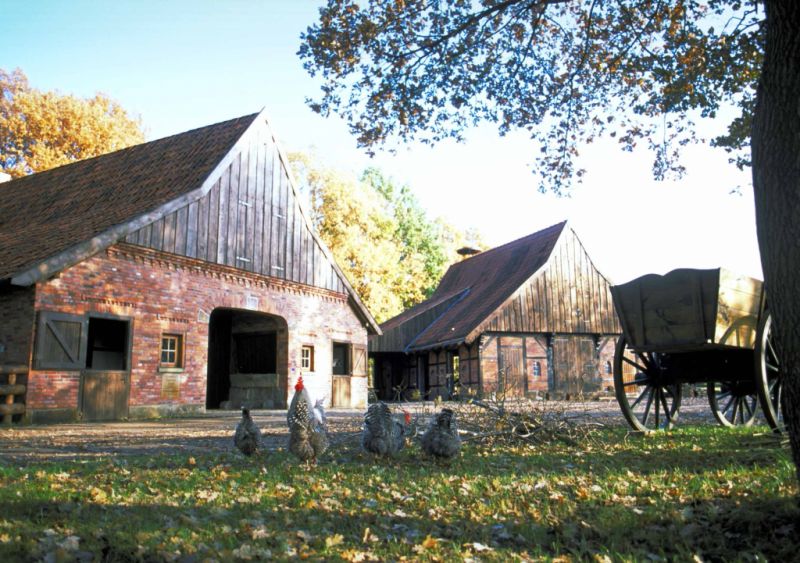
point(571, 71)
point(41, 130)
point(432, 242)
point(388, 248)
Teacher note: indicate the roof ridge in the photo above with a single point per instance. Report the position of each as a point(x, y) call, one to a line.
point(519, 240)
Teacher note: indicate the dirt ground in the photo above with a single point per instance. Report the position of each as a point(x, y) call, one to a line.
point(213, 431)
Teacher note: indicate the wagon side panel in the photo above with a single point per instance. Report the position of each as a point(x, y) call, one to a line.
point(739, 299)
point(671, 312)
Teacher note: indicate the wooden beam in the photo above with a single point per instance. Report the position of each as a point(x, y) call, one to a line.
point(12, 409)
point(16, 369)
point(12, 389)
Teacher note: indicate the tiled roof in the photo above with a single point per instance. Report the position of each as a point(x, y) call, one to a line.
point(44, 214)
point(491, 278)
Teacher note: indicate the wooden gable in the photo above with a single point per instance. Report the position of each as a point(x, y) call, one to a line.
point(567, 295)
point(249, 217)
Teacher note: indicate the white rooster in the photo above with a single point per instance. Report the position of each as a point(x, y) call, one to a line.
point(308, 428)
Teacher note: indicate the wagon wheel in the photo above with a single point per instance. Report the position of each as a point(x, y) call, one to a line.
point(733, 403)
point(648, 400)
point(769, 374)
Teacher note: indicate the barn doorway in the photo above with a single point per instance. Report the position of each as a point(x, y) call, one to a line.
point(575, 370)
point(247, 360)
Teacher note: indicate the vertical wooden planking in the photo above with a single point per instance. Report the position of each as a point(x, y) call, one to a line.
point(157, 235)
point(181, 230)
point(282, 195)
point(191, 229)
point(233, 211)
point(252, 188)
point(168, 244)
point(304, 255)
point(222, 214)
point(298, 243)
point(147, 232)
point(269, 185)
point(258, 206)
point(202, 224)
point(290, 258)
point(213, 222)
point(274, 250)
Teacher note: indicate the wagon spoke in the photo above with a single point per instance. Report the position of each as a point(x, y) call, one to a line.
point(771, 353)
point(773, 367)
point(664, 402)
point(636, 381)
point(727, 406)
point(749, 407)
point(658, 400)
point(634, 364)
point(639, 398)
point(649, 404)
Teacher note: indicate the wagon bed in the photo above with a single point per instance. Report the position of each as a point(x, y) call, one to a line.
point(689, 309)
point(693, 326)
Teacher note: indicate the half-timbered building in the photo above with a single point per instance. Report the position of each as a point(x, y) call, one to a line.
point(178, 275)
point(533, 316)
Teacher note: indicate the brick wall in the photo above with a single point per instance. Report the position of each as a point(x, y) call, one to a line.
point(163, 293)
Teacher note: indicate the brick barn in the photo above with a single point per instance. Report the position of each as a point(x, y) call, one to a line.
point(174, 276)
point(531, 317)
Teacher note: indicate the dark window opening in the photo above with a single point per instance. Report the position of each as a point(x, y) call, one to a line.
point(108, 344)
point(340, 359)
point(255, 353)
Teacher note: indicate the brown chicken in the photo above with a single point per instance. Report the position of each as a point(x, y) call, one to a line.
point(247, 437)
point(441, 438)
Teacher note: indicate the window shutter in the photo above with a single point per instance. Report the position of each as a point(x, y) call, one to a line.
point(359, 360)
point(61, 341)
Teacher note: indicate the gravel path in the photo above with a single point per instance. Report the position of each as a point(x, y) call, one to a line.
point(213, 431)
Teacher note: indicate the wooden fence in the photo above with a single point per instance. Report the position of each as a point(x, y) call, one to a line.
point(11, 389)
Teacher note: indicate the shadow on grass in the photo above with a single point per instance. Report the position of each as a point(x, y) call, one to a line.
point(719, 530)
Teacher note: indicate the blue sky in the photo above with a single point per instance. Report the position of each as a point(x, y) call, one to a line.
point(181, 65)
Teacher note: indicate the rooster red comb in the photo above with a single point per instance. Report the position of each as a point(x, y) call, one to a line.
point(407, 416)
point(299, 385)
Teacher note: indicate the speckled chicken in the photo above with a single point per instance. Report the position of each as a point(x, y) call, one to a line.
point(308, 429)
point(247, 437)
point(383, 434)
point(441, 438)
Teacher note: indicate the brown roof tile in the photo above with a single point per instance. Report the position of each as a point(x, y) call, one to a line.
point(44, 214)
point(491, 278)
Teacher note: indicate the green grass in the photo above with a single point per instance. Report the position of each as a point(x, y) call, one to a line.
point(698, 492)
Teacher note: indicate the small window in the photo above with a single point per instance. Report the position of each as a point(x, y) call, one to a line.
point(172, 350)
point(608, 368)
point(537, 369)
point(307, 358)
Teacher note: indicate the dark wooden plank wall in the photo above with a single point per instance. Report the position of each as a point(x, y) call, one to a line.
point(396, 339)
point(250, 219)
point(568, 296)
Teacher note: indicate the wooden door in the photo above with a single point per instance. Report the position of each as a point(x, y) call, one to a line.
point(511, 377)
point(574, 365)
point(104, 395)
point(340, 397)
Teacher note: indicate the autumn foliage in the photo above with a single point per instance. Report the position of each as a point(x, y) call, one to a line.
point(41, 130)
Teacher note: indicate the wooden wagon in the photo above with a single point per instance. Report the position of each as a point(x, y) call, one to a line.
point(692, 326)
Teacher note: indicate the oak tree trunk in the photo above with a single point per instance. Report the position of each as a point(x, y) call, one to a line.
point(776, 185)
